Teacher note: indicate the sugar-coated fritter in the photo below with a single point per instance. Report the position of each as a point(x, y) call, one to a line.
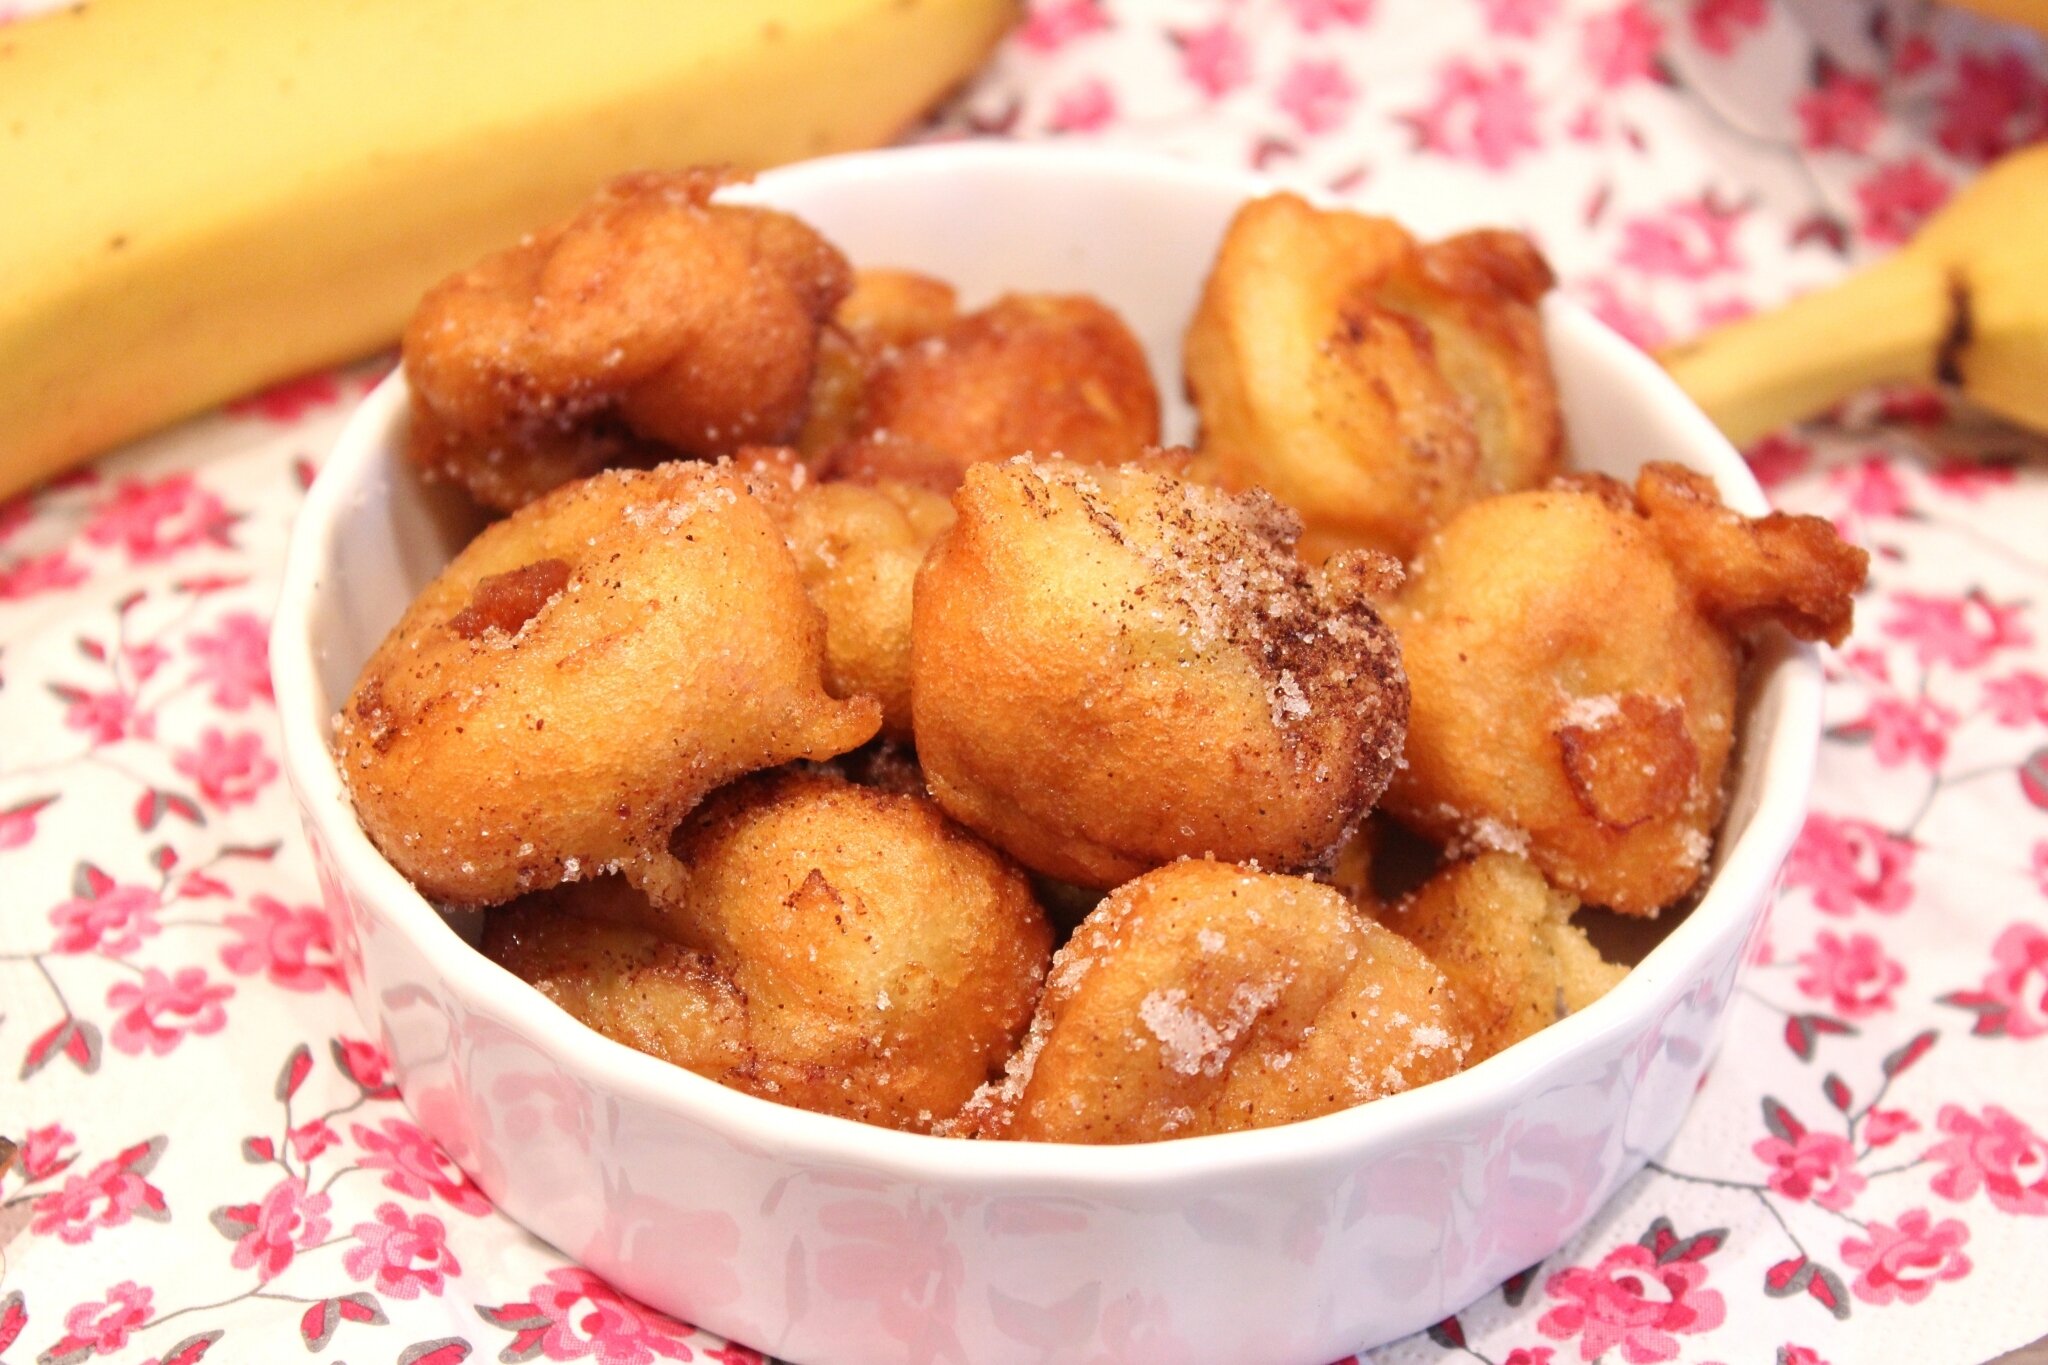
point(1575, 682)
point(1040, 374)
point(652, 323)
point(1372, 383)
point(1206, 998)
point(812, 942)
point(580, 676)
point(859, 547)
point(886, 311)
point(1505, 940)
point(1113, 668)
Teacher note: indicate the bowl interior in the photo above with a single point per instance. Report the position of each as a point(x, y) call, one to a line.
point(1139, 234)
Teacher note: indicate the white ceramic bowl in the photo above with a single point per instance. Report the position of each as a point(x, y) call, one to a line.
point(828, 1241)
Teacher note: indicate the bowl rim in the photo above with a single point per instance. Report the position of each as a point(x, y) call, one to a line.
point(1735, 899)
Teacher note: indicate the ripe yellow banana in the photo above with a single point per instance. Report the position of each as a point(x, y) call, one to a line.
point(1966, 302)
point(201, 196)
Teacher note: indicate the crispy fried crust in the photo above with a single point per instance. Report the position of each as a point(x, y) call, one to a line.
point(1794, 571)
point(1111, 668)
point(652, 323)
point(501, 741)
point(1031, 373)
point(1372, 383)
point(1207, 998)
point(859, 547)
point(812, 942)
point(1505, 941)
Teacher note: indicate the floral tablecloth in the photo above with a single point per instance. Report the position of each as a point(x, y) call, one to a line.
point(213, 1164)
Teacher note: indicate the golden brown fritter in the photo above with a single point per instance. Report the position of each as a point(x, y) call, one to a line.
point(580, 676)
point(1207, 998)
point(1575, 686)
point(813, 942)
point(1042, 374)
point(1505, 940)
point(886, 311)
point(652, 323)
point(1372, 383)
point(859, 547)
point(1111, 669)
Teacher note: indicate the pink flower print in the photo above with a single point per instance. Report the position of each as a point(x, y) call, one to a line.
point(1872, 489)
point(1897, 198)
point(145, 659)
point(1217, 59)
point(47, 1150)
point(1996, 1153)
point(114, 922)
point(15, 513)
point(104, 1325)
point(153, 521)
point(574, 1314)
point(1620, 46)
point(2020, 698)
point(406, 1254)
point(230, 769)
point(1478, 115)
point(1851, 864)
point(1691, 240)
point(1906, 730)
point(108, 717)
point(1883, 1127)
point(1840, 114)
point(290, 400)
point(52, 572)
point(1518, 18)
point(1906, 1261)
point(1788, 1354)
point(1636, 323)
point(1852, 976)
point(368, 1066)
point(311, 1138)
point(1778, 458)
point(107, 1196)
point(1867, 662)
point(1720, 25)
point(293, 947)
point(1313, 16)
point(1630, 1301)
point(415, 1166)
point(288, 1221)
point(234, 658)
point(1083, 108)
point(904, 1262)
point(1318, 95)
point(18, 822)
point(1995, 103)
point(162, 1010)
point(1959, 631)
point(1817, 1166)
point(1052, 24)
point(2017, 985)
point(2040, 866)
point(1720, 312)
point(1529, 1355)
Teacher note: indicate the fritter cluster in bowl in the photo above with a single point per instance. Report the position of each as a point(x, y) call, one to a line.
point(839, 644)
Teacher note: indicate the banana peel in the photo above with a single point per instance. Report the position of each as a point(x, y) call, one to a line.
point(204, 196)
point(1965, 303)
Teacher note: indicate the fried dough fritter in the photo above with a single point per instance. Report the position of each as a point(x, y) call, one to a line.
point(1206, 998)
point(859, 547)
point(580, 676)
point(1370, 382)
point(1041, 374)
point(1575, 684)
point(812, 942)
point(1112, 668)
point(652, 323)
point(886, 311)
point(1505, 940)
